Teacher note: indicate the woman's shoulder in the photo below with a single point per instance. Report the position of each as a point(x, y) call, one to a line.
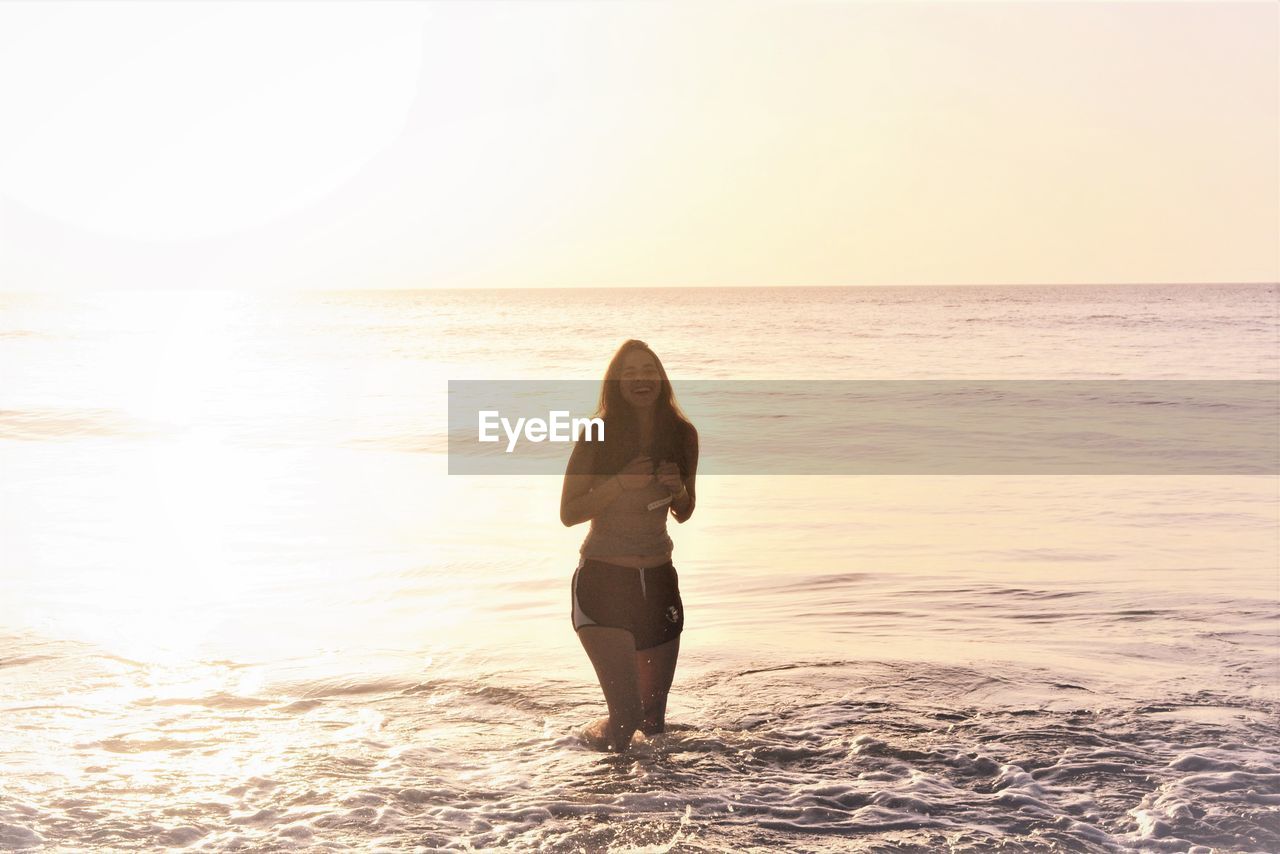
point(583, 456)
point(688, 432)
point(584, 447)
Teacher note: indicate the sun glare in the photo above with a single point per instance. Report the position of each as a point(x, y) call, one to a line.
point(255, 484)
point(204, 119)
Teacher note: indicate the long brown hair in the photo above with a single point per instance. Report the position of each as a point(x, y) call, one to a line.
point(672, 430)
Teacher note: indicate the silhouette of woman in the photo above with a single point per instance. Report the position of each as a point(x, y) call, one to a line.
point(625, 593)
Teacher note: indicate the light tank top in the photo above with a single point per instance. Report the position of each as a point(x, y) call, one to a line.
point(629, 527)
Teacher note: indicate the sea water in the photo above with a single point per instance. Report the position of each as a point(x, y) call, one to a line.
point(245, 606)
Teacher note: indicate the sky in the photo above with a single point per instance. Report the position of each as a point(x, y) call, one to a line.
point(407, 145)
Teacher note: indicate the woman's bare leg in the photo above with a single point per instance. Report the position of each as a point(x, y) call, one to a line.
point(613, 654)
point(655, 668)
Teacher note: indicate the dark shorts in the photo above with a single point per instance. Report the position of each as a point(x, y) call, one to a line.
point(645, 602)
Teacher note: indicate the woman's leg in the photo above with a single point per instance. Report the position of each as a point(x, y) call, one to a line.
point(613, 654)
point(655, 668)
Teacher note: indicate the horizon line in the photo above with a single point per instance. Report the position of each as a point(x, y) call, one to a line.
point(272, 289)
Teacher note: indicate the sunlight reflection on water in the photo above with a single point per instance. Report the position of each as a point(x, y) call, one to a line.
point(264, 615)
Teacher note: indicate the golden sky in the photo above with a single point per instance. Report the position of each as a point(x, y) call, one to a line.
point(401, 145)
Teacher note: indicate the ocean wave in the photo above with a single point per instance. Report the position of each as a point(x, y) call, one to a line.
point(820, 755)
point(51, 424)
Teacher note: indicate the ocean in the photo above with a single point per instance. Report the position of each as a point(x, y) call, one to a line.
point(246, 605)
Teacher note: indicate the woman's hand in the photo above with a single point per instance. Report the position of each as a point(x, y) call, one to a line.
point(668, 475)
point(637, 474)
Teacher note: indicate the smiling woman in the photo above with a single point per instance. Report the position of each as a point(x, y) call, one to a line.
point(198, 120)
point(626, 604)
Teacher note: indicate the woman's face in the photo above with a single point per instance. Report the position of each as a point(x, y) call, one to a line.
point(640, 381)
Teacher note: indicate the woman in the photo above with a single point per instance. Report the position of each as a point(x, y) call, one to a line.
point(625, 593)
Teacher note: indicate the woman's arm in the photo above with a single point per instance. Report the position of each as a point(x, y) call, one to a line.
point(580, 500)
point(682, 502)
